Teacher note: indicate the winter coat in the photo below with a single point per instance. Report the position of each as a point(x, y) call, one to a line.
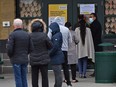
point(88, 48)
point(41, 43)
point(72, 54)
point(56, 53)
point(19, 46)
point(96, 30)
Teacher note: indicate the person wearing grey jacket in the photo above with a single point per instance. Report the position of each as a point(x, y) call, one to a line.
point(39, 57)
point(18, 47)
point(72, 55)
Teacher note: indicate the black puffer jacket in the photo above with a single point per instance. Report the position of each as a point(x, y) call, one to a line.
point(19, 46)
point(42, 43)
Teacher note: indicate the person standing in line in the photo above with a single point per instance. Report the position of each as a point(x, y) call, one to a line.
point(96, 30)
point(56, 54)
point(39, 57)
point(66, 39)
point(72, 55)
point(80, 17)
point(19, 45)
point(85, 47)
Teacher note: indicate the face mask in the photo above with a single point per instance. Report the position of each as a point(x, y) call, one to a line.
point(50, 33)
point(50, 30)
point(90, 20)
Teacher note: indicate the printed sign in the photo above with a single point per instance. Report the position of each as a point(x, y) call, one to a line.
point(87, 8)
point(57, 10)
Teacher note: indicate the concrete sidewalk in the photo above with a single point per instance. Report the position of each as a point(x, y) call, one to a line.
point(83, 82)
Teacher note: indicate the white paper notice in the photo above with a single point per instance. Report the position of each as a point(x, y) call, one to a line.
point(87, 8)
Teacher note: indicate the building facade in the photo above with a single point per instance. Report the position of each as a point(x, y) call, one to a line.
point(47, 10)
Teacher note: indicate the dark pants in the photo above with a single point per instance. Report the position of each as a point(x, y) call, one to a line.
point(73, 71)
point(58, 75)
point(35, 75)
point(65, 67)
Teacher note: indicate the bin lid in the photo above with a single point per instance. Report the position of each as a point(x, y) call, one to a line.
point(106, 44)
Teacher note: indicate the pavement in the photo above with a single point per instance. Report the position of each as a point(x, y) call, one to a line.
point(8, 81)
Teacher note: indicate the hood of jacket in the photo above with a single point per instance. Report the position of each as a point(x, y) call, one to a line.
point(40, 20)
point(58, 20)
point(54, 27)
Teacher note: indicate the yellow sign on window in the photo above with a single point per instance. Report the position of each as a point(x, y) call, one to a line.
point(55, 10)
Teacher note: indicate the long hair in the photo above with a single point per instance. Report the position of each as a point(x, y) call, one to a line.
point(82, 26)
point(68, 25)
point(81, 17)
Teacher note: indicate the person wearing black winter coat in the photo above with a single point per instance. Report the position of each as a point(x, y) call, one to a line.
point(56, 54)
point(39, 57)
point(96, 30)
point(18, 47)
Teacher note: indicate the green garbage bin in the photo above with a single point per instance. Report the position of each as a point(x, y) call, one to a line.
point(105, 67)
point(105, 64)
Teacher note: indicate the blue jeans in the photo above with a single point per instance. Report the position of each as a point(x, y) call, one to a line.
point(82, 65)
point(20, 73)
point(58, 75)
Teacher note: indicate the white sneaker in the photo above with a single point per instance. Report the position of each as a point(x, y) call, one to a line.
point(69, 86)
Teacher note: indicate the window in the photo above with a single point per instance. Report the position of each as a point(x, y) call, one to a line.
point(28, 10)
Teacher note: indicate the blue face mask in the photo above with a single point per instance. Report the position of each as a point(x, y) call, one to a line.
point(91, 20)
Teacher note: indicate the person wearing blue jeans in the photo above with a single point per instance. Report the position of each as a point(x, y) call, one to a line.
point(20, 72)
point(82, 64)
point(85, 47)
point(19, 45)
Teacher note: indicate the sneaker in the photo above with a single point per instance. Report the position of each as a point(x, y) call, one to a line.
point(69, 85)
point(84, 77)
point(74, 81)
point(92, 75)
point(80, 76)
point(64, 81)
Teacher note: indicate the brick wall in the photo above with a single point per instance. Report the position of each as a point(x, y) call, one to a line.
point(7, 13)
